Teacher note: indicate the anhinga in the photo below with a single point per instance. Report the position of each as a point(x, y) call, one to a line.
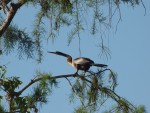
point(80, 63)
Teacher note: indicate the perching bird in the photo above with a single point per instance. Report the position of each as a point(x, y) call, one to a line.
point(80, 63)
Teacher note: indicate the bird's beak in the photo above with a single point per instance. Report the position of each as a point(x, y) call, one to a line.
point(52, 52)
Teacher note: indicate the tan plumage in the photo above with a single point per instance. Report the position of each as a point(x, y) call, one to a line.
point(80, 63)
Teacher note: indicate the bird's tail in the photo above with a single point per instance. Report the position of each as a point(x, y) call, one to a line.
point(100, 65)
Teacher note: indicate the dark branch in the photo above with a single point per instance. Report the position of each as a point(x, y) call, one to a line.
point(11, 13)
point(56, 77)
point(40, 78)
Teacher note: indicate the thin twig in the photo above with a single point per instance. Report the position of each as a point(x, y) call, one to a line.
point(11, 13)
point(80, 98)
point(78, 27)
point(120, 18)
point(144, 7)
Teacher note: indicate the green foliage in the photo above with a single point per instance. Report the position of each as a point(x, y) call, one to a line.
point(104, 51)
point(93, 90)
point(21, 104)
point(116, 109)
point(140, 109)
point(2, 71)
point(81, 109)
point(132, 2)
point(73, 33)
point(2, 110)
point(11, 83)
point(45, 81)
point(15, 37)
point(25, 104)
point(59, 13)
point(37, 97)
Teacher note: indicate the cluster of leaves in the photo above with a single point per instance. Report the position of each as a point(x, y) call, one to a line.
point(60, 13)
point(24, 104)
point(17, 38)
point(93, 91)
point(138, 109)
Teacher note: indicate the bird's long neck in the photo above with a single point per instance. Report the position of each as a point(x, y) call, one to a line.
point(69, 58)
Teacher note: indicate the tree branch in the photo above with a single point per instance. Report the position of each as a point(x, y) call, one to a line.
point(50, 77)
point(40, 78)
point(102, 89)
point(11, 13)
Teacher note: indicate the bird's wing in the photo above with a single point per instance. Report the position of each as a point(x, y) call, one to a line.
point(82, 60)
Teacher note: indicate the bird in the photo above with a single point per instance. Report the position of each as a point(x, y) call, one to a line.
point(80, 63)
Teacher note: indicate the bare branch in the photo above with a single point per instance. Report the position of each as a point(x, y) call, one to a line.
point(11, 13)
